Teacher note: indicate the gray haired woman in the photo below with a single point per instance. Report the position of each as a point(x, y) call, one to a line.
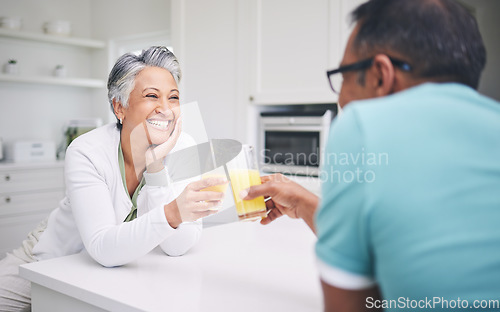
point(119, 204)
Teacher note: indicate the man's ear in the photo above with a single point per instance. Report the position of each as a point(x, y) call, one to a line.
point(118, 109)
point(384, 73)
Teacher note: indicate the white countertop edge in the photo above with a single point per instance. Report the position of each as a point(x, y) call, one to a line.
point(67, 289)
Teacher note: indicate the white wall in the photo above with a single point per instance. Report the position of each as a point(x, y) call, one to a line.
point(487, 15)
point(112, 19)
point(212, 56)
point(208, 50)
point(31, 111)
point(36, 12)
point(117, 18)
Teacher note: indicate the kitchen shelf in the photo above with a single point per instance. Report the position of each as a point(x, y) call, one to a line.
point(72, 41)
point(75, 82)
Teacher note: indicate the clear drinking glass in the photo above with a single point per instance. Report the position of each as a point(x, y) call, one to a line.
point(216, 173)
point(244, 172)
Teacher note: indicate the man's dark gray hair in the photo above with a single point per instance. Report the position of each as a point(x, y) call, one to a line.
point(438, 38)
point(121, 79)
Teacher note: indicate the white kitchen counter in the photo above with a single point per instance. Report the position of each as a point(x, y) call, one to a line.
point(235, 267)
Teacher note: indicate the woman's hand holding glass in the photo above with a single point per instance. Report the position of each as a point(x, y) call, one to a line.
point(193, 203)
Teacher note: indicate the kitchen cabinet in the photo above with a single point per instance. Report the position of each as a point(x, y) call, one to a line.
point(256, 52)
point(74, 53)
point(209, 49)
point(293, 43)
point(347, 6)
point(279, 54)
point(28, 192)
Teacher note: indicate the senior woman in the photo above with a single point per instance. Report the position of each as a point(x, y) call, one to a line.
point(119, 204)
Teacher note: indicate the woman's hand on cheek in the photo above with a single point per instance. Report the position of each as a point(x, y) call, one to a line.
point(155, 155)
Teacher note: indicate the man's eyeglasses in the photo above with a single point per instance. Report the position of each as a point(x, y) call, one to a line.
point(337, 80)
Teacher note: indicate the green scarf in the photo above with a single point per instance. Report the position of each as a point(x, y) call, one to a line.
point(133, 211)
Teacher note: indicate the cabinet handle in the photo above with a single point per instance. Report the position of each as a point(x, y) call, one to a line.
point(7, 178)
point(7, 200)
point(251, 98)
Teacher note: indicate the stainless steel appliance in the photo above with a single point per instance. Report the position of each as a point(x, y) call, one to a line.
point(292, 142)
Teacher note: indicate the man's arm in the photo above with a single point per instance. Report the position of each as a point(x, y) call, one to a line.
point(343, 300)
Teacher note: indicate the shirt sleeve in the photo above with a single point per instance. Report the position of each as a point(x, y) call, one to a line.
point(161, 189)
point(187, 234)
point(107, 239)
point(342, 220)
point(185, 237)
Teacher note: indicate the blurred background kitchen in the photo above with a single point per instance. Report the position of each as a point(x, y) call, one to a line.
point(240, 59)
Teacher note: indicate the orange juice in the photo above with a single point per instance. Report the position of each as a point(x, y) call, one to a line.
point(241, 179)
point(222, 188)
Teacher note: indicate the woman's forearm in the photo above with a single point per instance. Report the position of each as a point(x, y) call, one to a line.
point(172, 214)
point(184, 238)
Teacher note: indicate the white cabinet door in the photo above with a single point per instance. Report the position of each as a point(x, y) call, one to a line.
point(204, 38)
point(346, 8)
point(14, 230)
point(27, 195)
point(269, 51)
point(293, 44)
point(20, 204)
point(31, 179)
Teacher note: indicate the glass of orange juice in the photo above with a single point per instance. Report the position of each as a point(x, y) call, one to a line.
point(222, 188)
point(243, 173)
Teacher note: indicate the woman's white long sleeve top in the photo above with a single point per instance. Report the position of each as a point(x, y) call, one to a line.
point(96, 203)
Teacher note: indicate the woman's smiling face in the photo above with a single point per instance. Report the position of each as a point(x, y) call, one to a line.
point(153, 105)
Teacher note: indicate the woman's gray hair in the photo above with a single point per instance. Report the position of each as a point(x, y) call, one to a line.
point(121, 79)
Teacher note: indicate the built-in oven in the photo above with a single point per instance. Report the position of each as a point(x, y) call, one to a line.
point(292, 142)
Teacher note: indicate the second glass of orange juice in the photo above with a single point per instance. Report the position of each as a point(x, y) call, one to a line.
point(243, 173)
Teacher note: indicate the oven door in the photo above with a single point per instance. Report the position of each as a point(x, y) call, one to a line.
point(291, 149)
